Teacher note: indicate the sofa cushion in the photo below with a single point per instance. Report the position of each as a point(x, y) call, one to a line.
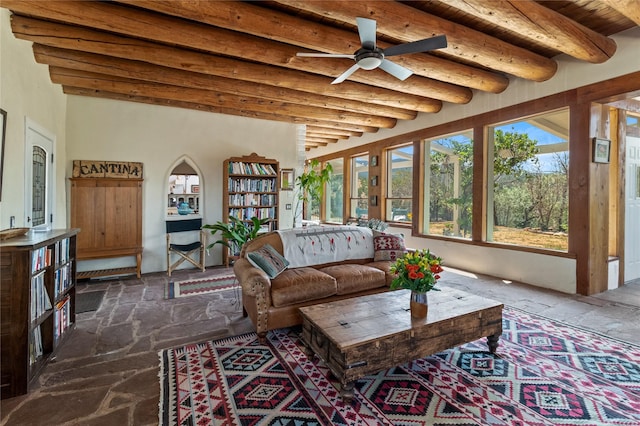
point(299, 285)
point(269, 260)
point(387, 246)
point(352, 278)
point(384, 266)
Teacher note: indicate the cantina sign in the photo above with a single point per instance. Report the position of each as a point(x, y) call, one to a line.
point(106, 169)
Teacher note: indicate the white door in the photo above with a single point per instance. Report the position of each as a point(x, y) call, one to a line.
point(632, 211)
point(39, 176)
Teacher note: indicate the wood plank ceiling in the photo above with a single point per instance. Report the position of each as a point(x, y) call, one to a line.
point(239, 58)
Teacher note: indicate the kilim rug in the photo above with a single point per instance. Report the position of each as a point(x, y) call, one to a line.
point(175, 289)
point(544, 373)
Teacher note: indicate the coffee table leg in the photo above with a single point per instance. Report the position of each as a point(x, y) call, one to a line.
point(347, 392)
point(306, 348)
point(492, 342)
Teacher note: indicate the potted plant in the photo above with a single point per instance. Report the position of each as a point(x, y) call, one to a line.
point(235, 233)
point(418, 271)
point(310, 185)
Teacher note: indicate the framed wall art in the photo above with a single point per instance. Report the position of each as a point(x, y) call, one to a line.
point(374, 161)
point(601, 150)
point(287, 179)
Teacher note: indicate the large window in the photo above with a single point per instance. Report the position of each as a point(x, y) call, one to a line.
point(528, 181)
point(359, 194)
point(448, 185)
point(399, 184)
point(335, 192)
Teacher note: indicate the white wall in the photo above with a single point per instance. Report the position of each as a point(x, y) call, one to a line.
point(27, 91)
point(541, 270)
point(102, 129)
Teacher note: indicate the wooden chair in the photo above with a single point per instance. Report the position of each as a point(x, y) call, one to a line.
point(186, 251)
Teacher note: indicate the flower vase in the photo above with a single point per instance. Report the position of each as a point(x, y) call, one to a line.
point(419, 305)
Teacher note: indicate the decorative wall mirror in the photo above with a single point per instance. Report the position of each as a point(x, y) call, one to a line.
point(183, 192)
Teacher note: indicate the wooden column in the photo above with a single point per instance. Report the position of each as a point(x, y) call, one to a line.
point(589, 198)
point(376, 191)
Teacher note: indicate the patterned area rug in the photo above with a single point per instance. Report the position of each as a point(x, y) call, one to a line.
point(175, 289)
point(545, 373)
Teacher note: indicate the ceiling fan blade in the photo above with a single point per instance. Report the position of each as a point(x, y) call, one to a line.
point(325, 55)
point(342, 77)
point(367, 31)
point(398, 71)
point(437, 42)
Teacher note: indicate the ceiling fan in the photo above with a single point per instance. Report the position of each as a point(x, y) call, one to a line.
point(370, 57)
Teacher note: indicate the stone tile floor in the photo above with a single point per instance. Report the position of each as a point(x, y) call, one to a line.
point(107, 372)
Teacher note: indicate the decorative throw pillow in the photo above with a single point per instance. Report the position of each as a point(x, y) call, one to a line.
point(387, 246)
point(269, 260)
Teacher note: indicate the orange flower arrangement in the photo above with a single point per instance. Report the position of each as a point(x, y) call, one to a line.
point(418, 271)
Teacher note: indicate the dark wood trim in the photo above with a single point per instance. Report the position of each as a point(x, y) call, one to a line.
point(622, 173)
point(418, 183)
point(614, 89)
point(478, 222)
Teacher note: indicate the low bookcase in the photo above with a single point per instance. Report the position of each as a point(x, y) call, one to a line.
point(37, 302)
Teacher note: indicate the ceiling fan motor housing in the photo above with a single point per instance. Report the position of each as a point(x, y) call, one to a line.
point(369, 59)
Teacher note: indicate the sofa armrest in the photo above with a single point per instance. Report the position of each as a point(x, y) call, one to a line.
point(253, 280)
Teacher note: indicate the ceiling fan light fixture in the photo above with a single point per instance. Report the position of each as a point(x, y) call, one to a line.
point(370, 57)
point(369, 63)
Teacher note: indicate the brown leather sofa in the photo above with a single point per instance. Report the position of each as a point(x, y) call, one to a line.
point(274, 303)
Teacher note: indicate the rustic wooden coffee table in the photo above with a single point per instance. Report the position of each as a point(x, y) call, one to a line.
point(367, 334)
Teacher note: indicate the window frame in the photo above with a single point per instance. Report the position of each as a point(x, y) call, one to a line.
point(388, 200)
point(354, 201)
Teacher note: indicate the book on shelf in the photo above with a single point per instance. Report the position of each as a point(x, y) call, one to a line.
point(62, 251)
point(41, 258)
point(62, 317)
point(35, 345)
point(40, 301)
point(252, 185)
point(242, 168)
point(62, 280)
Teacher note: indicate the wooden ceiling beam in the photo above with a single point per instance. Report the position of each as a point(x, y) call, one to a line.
point(628, 8)
point(325, 135)
point(104, 94)
point(259, 21)
point(332, 131)
point(406, 23)
point(192, 35)
point(542, 25)
point(313, 142)
point(320, 140)
point(136, 87)
point(143, 71)
point(91, 41)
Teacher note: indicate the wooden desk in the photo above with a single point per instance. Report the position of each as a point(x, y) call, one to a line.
point(364, 335)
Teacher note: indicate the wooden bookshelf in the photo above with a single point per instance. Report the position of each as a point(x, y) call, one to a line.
point(37, 300)
point(251, 188)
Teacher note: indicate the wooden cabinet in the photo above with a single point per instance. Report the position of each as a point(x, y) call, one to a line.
point(37, 302)
point(251, 189)
point(108, 212)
